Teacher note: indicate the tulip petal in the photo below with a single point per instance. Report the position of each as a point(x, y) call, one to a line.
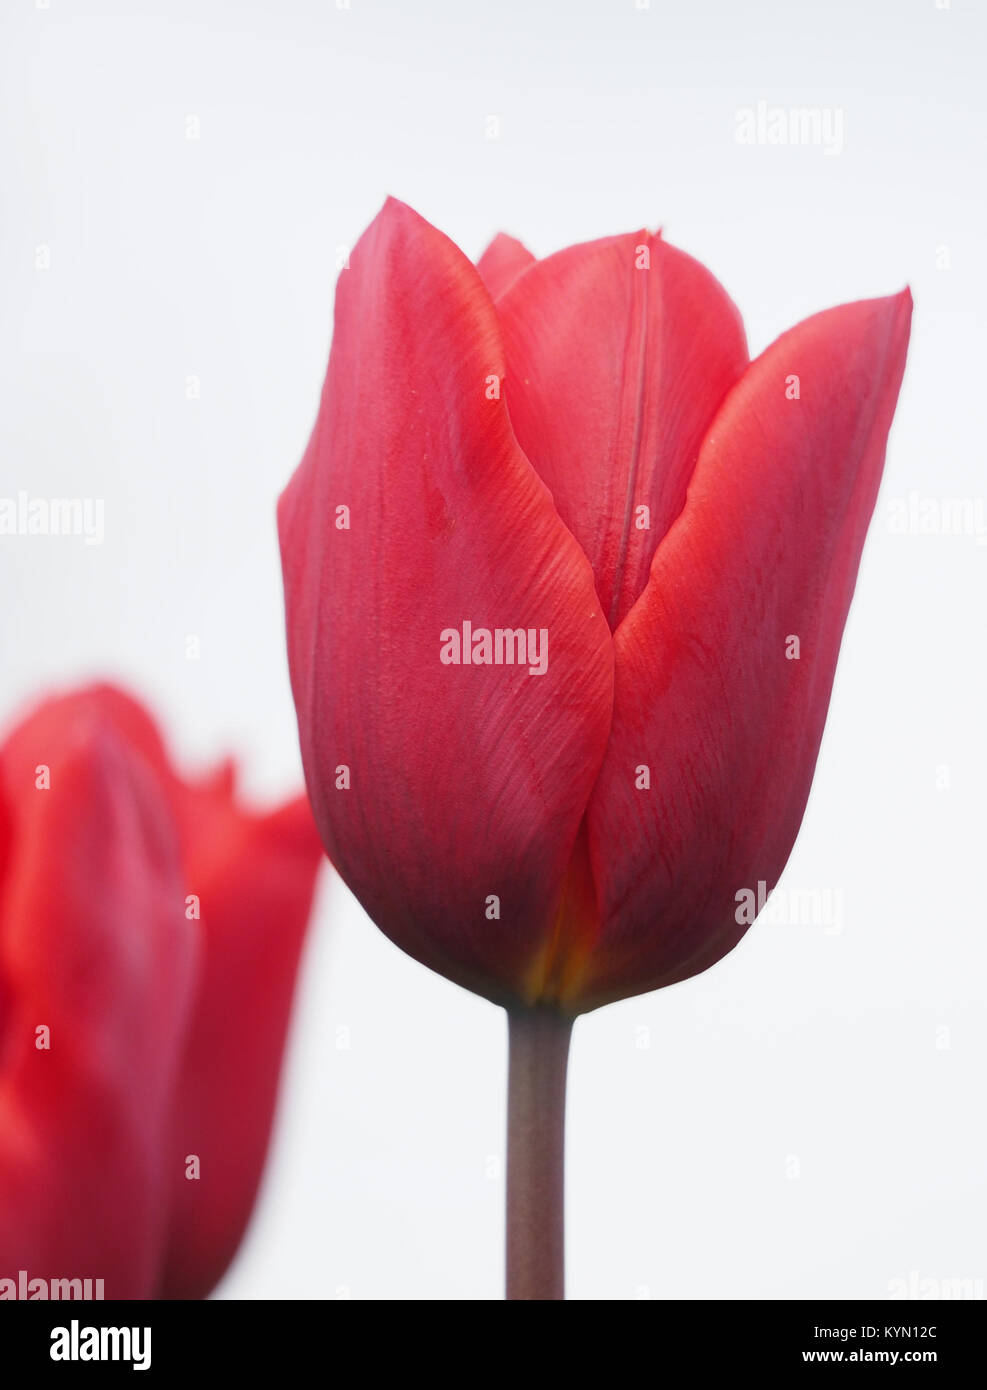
point(94, 947)
point(708, 697)
point(502, 262)
point(618, 354)
point(254, 876)
point(448, 796)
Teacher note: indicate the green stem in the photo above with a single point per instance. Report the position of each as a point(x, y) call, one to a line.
point(539, 1051)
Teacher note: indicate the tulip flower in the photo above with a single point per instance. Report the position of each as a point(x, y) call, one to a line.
point(572, 459)
point(150, 929)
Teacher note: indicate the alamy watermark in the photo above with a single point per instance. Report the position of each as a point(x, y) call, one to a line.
point(920, 1286)
point(80, 1343)
point(28, 1287)
point(791, 907)
point(919, 515)
point(500, 646)
point(25, 515)
point(822, 127)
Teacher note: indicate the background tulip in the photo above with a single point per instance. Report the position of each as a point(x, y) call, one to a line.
point(581, 447)
point(164, 1028)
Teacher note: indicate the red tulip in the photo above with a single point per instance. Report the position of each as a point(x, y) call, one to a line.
point(494, 456)
point(135, 1034)
point(577, 452)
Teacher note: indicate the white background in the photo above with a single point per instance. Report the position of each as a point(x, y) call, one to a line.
point(795, 1122)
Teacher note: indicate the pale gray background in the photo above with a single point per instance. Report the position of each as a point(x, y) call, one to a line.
point(795, 1122)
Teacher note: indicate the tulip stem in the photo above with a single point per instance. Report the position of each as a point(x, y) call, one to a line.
point(538, 1054)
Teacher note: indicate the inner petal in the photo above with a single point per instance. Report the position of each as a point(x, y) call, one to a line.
point(618, 353)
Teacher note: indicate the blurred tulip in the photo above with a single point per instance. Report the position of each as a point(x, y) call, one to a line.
point(140, 1043)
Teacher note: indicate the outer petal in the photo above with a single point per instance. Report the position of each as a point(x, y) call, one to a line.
point(502, 262)
point(93, 945)
point(766, 549)
point(618, 354)
point(254, 876)
point(466, 783)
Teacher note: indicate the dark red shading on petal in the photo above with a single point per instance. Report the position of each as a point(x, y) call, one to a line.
point(618, 354)
point(502, 262)
point(93, 945)
point(254, 876)
point(466, 782)
point(768, 547)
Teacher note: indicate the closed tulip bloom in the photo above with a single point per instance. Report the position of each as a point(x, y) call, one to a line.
point(566, 577)
point(586, 452)
point(150, 929)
